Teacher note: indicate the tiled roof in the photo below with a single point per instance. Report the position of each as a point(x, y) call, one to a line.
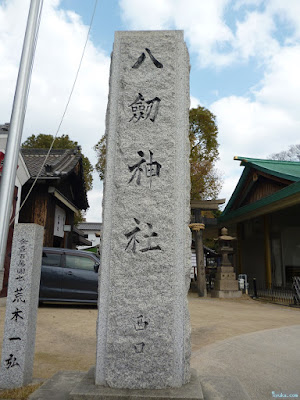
point(79, 236)
point(90, 226)
point(275, 198)
point(59, 163)
point(289, 170)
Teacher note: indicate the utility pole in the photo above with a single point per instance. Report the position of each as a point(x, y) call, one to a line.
point(16, 123)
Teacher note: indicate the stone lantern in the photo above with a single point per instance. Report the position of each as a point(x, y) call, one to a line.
point(226, 284)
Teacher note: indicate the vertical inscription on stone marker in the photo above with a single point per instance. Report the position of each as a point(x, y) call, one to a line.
point(146, 240)
point(21, 306)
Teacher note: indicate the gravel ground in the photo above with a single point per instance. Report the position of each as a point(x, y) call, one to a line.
point(66, 335)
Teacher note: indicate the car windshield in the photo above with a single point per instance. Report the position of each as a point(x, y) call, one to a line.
point(80, 262)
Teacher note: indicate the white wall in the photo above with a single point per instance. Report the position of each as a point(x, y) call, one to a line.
point(92, 237)
point(21, 177)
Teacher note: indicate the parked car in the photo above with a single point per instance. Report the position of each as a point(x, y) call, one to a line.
point(69, 276)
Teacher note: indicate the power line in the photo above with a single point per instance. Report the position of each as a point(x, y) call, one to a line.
point(64, 113)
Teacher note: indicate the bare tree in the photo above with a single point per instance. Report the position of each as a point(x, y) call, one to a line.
point(292, 154)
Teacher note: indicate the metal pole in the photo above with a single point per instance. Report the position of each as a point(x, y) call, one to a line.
point(16, 123)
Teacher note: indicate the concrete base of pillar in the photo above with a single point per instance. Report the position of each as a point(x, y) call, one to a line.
point(87, 390)
point(75, 385)
point(226, 294)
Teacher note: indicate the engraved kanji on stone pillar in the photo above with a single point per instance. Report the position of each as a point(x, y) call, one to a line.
point(21, 306)
point(143, 335)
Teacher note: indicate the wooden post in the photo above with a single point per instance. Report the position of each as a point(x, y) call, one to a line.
point(238, 248)
point(267, 252)
point(197, 229)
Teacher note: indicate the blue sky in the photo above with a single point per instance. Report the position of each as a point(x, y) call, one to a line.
point(213, 83)
point(245, 58)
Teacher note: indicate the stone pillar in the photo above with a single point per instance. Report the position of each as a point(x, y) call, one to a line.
point(197, 229)
point(21, 306)
point(143, 336)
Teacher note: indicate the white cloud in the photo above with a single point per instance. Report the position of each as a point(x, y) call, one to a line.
point(240, 3)
point(253, 33)
point(281, 84)
point(267, 32)
point(60, 43)
point(94, 213)
point(288, 13)
point(205, 29)
point(254, 126)
point(153, 14)
point(194, 102)
point(254, 36)
point(264, 125)
point(202, 22)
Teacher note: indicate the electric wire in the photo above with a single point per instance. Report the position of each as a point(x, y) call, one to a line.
point(65, 110)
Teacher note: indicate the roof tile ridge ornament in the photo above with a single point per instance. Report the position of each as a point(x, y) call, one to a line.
point(70, 156)
point(40, 151)
point(60, 161)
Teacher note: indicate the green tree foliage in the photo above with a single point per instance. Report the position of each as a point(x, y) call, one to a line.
point(203, 135)
point(42, 141)
point(80, 217)
point(203, 132)
point(100, 149)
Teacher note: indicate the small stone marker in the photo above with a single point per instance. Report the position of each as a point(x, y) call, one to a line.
point(21, 306)
point(143, 324)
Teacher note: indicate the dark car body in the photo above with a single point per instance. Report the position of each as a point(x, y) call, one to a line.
point(69, 276)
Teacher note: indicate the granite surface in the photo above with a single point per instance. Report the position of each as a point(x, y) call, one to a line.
point(21, 306)
point(87, 390)
point(143, 325)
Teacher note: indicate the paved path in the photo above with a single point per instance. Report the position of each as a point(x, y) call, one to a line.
point(264, 362)
point(255, 342)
